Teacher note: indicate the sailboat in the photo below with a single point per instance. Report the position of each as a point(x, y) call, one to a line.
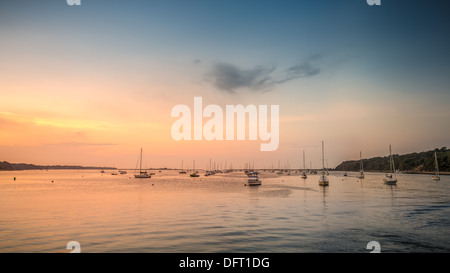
point(114, 172)
point(361, 169)
point(390, 179)
point(304, 176)
point(194, 174)
point(323, 180)
point(182, 169)
point(279, 168)
point(142, 174)
point(436, 177)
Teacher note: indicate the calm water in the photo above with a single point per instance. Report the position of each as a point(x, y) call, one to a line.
point(176, 213)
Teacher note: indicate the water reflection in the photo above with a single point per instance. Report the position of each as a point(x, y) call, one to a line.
point(219, 213)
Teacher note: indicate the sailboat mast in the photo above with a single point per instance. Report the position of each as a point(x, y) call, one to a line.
point(436, 162)
point(392, 161)
point(304, 160)
point(323, 160)
point(140, 164)
point(361, 168)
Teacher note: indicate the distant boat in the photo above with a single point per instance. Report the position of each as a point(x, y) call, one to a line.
point(436, 177)
point(323, 180)
point(114, 172)
point(253, 180)
point(390, 179)
point(123, 172)
point(345, 173)
point(361, 169)
point(182, 169)
point(194, 174)
point(304, 176)
point(142, 174)
point(101, 171)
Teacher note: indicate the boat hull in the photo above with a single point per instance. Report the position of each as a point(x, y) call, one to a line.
point(323, 181)
point(436, 178)
point(390, 181)
point(142, 176)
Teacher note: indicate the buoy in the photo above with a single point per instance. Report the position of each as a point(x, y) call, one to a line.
point(14, 178)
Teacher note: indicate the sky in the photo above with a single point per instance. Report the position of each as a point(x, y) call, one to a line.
point(93, 84)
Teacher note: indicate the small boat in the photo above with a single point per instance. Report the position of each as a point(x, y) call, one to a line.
point(182, 169)
point(390, 179)
point(345, 173)
point(323, 180)
point(361, 169)
point(123, 172)
point(304, 176)
point(102, 171)
point(436, 177)
point(253, 180)
point(114, 173)
point(195, 173)
point(141, 174)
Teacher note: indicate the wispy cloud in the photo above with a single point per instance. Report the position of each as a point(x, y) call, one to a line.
point(229, 78)
point(79, 144)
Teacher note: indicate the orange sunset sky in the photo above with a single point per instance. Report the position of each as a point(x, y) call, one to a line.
point(91, 85)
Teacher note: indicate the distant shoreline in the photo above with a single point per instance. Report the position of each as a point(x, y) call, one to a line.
point(7, 166)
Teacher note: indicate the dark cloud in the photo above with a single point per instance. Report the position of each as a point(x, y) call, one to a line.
point(228, 77)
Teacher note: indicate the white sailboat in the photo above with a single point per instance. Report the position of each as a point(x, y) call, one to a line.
point(390, 179)
point(361, 169)
point(436, 177)
point(253, 179)
point(323, 180)
point(142, 174)
point(304, 176)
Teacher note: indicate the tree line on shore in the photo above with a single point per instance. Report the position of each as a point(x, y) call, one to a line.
point(413, 162)
point(6, 166)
